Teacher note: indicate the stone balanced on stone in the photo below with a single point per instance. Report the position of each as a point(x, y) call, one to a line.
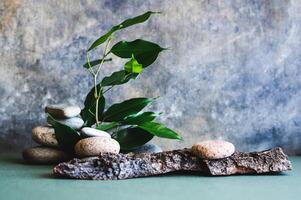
point(50, 152)
point(93, 143)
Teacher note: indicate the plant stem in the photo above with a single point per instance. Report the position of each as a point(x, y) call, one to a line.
point(97, 95)
point(105, 53)
point(90, 69)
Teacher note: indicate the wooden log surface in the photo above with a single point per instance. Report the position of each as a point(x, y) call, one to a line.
point(109, 166)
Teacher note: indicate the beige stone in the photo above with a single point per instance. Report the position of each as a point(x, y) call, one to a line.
point(93, 146)
point(44, 155)
point(213, 149)
point(44, 135)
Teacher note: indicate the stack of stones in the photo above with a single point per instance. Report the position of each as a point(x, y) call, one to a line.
point(93, 143)
point(49, 150)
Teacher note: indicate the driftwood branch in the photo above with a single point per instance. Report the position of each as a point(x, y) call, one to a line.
point(110, 166)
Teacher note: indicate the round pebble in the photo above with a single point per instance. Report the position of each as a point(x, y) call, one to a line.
point(147, 148)
point(44, 155)
point(44, 135)
point(63, 110)
point(92, 132)
point(213, 149)
point(74, 122)
point(93, 146)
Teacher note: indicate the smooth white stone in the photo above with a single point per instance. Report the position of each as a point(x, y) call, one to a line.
point(92, 132)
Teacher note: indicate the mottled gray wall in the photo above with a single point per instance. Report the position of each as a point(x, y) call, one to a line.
point(234, 71)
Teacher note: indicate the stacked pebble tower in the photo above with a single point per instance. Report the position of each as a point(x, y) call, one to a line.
point(93, 143)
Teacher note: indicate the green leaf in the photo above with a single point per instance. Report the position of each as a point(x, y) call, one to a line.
point(129, 22)
point(96, 62)
point(107, 126)
point(133, 66)
point(118, 78)
point(140, 118)
point(159, 130)
point(65, 135)
point(145, 52)
point(88, 112)
point(130, 138)
point(118, 112)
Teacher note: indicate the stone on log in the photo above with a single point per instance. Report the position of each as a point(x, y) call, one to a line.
point(110, 166)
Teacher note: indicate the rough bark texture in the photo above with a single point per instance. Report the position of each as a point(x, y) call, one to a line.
point(110, 166)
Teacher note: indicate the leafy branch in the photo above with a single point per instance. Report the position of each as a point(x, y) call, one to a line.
point(129, 125)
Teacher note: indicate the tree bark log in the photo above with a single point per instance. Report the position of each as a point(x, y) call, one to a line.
point(110, 166)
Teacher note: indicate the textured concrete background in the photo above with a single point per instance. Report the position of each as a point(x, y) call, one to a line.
point(233, 72)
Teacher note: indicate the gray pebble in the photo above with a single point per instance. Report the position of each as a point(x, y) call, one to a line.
point(75, 122)
point(62, 111)
point(147, 148)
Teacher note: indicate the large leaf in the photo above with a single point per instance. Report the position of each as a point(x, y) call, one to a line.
point(119, 111)
point(130, 138)
point(159, 130)
point(139, 118)
point(96, 62)
point(129, 22)
point(65, 135)
point(88, 112)
point(145, 52)
point(118, 78)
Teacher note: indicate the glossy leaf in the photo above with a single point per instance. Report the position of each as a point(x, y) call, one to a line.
point(118, 78)
point(132, 66)
point(129, 22)
point(65, 135)
point(118, 112)
point(88, 112)
point(130, 138)
point(159, 130)
point(107, 126)
point(96, 62)
point(140, 118)
point(145, 52)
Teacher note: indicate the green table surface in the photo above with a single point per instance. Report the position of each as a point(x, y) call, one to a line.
point(20, 181)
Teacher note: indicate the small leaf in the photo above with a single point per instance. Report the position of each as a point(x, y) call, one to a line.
point(159, 130)
point(130, 138)
point(145, 52)
point(107, 126)
point(65, 135)
point(140, 118)
point(96, 62)
point(118, 78)
point(118, 112)
point(133, 66)
point(129, 22)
